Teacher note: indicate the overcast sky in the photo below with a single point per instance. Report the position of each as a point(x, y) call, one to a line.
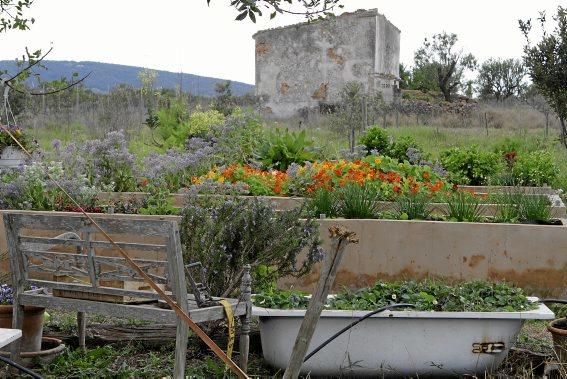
point(187, 35)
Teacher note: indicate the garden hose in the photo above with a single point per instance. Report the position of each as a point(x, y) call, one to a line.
point(556, 301)
point(20, 367)
point(352, 324)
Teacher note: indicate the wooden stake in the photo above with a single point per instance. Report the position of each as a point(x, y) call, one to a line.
point(340, 240)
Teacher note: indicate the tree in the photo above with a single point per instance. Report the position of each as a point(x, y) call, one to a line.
point(310, 8)
point(501, 79)
point(438, 62)
point(12, 15)
point(225, 101)
point(534, 99)
point(545, 62)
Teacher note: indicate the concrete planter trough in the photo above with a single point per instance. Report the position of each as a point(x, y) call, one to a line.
point(397, 343)
point(529, 256)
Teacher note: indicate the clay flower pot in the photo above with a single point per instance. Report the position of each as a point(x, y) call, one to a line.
point(32, 328)
point(558, 330)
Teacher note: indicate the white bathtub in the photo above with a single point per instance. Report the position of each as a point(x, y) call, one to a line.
point(397, 343)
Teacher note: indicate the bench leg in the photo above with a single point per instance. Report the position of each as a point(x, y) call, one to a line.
point(17, 323)
point(245, 293)
point(180, 349)
point(244, 341)
point(82, 329)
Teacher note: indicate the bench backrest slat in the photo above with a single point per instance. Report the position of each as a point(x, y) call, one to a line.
point(64, 251)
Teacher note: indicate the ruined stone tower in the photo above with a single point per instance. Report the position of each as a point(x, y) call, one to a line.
point(305, 65)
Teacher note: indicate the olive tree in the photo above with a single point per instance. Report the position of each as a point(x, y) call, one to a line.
point(545, 62)
point(501, 79)
point(442, 64)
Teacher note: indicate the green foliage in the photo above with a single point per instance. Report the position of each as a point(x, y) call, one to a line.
point(225, 102)
point(358, 201)
point(173, 125)
point(281, 299)
point(117, 362)
point(159, 201)
point(375, 138)
point(12, 15)
point(508, 206)
point(545, 63)
point(474, 296)
point(464, 206)
point(439, 62)
point(536, 168)
point(323, 202)
point(225, 233)
point(534, 208)
point(312, 9)
point(413, 207)
point(501, 79)
point(399, 147)
point(282, 148)
point(470, 165)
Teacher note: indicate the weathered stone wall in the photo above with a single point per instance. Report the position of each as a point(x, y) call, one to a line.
point(300, 66)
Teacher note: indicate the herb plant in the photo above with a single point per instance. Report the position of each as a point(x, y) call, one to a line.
point(358, 201)
point(225, 233)
point(464, 206)
point(413, 207)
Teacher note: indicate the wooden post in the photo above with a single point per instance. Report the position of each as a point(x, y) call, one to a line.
point(246, 291)
point(340, 239)
point(82, 329)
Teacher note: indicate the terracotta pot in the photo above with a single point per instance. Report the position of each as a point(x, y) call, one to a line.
point(558, 330)
point(32, 328)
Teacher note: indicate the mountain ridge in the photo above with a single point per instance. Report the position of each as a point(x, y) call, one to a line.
point(105, 76)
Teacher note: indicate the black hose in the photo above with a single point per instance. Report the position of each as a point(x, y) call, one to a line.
point(556, 301)
point(19, 367)
point(352, 324)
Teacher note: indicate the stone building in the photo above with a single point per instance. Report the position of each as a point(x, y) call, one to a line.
point(302, 66)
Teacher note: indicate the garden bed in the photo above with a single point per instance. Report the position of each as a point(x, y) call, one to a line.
point(397, 343)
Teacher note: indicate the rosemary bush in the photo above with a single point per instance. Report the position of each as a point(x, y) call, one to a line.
point(224, 233)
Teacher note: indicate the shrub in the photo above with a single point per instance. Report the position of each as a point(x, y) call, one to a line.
point(375, 138)
point(225, 233)
point(174, 125)
point(471, 166)
point(399, 148)
point(281, 149)
point(535, 169)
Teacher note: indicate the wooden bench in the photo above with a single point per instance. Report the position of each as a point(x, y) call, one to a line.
point(47, 246)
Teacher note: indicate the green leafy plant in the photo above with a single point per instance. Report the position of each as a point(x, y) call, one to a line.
point(225, 233)
point(471, 166)
point(413, 207)
point(473, 296)
point(281, 299)
point(282, 148)
point(535, 169)
point(358, 201)
point(464, 206)
point(375, 138)
point(158, 202)
point(398, 149)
